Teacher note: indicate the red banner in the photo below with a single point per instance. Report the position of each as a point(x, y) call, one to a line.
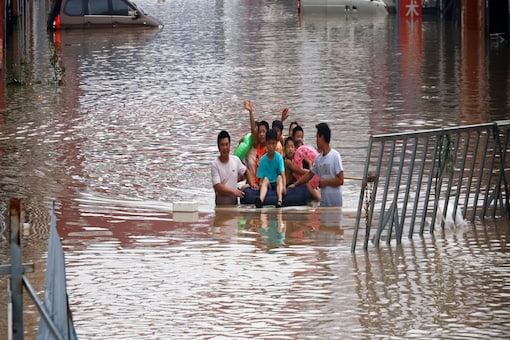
point(410, 9)
point(411, 64)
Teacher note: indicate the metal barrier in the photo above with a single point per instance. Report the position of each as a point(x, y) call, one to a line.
point(440, 176)
point(17, 271)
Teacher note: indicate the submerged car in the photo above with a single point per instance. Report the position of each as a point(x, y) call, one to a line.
point(98, 13)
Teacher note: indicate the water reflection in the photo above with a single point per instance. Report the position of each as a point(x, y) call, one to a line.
point(280, 271)
point(129, 223)
point(272, 228)
point(401, 296)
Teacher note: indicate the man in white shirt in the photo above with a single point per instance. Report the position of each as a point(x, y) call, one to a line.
point(328, 166)
point(226, 171)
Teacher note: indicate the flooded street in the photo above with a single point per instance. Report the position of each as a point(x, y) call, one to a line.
point(133, 130)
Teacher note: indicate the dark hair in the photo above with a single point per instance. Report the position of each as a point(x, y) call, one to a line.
point(323, 130)
point(271, 135)
point(221, 135)
point(263, 122)
point(277, 124)
point(287, 140)
point(291, 124)
point(296, 130)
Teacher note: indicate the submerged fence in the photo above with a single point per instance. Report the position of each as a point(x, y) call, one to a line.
point(55, 322)
point(424, 179)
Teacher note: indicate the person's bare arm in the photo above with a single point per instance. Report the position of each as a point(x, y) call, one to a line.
point(333, 182)
point(285, 115)
point(306, 177)
point(253, 126)
point(289, 178)
point(250, 179)
point(295, 169)
point(225, 190)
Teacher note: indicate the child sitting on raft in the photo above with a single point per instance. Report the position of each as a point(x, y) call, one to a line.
point(298, 160)
point(271, 172)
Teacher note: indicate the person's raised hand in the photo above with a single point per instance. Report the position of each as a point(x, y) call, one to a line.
point(285, 114)
point(247, 105)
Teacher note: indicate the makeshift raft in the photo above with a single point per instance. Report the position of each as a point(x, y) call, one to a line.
point(294, 197)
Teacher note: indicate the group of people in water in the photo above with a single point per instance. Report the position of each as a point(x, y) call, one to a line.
point(278, 162)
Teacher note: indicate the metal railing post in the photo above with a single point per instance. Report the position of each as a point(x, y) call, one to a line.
point(418, 186)
point(480, 175)
point(472, 171)
point(382, 216)
point(16, 269)
point(461, 170)
point(429, 187)
point(364, 184)
point(408, 183)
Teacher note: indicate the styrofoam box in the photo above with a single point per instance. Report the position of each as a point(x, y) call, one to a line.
point(185, 206)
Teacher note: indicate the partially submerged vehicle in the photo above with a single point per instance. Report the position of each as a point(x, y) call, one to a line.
point(98, 14)
point(347, 6)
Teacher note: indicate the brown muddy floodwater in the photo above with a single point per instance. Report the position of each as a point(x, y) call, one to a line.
point(133, 130)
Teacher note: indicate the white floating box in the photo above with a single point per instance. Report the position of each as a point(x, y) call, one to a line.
point(185, 207)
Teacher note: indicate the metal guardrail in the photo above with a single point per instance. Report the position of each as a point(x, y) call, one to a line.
point(16, 269)
point(422, 178)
